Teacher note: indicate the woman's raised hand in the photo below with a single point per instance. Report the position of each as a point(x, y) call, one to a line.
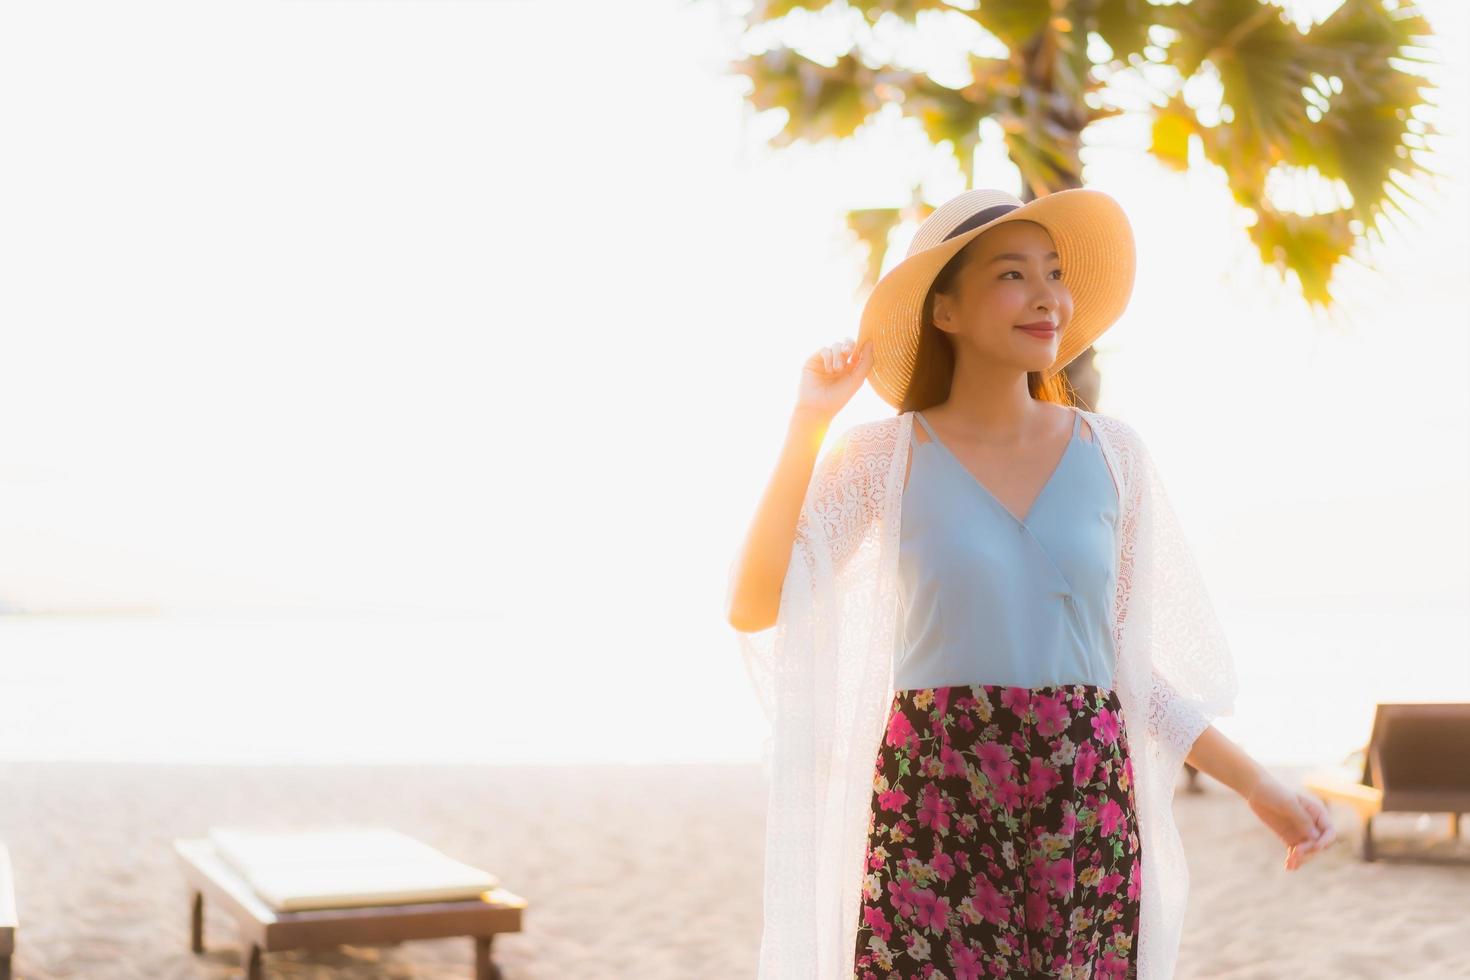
point(831, 376)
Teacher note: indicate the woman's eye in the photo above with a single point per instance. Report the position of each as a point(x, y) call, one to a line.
point(1057, 272)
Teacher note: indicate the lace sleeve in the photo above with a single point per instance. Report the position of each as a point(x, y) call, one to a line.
point(1174, 675)
point(843, 501)
point(840, 502)
point(1173, 717)
point(823, 672)
point(1164, 606)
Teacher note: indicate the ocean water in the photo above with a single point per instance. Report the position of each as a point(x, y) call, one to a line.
point(238, 688)
point(1311, 672)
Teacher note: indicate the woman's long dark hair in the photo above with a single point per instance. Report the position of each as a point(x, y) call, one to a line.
point(934, 359)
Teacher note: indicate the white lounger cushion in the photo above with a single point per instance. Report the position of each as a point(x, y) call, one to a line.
point(347, 867)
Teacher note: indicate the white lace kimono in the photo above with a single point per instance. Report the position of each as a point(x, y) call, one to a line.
point(824, 675)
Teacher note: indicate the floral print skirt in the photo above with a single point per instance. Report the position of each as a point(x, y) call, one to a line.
point(1003, 839)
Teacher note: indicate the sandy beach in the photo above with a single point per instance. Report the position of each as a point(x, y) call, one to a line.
point(636, 872)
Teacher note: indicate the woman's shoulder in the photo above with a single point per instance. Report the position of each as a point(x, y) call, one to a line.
point(881, 434)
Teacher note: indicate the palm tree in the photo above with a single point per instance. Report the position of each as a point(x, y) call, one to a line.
point(1338, 101)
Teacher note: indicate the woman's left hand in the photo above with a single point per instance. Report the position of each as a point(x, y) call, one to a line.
point(1296, 816)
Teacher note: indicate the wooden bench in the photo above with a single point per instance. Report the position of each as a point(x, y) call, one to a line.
point(1417, 760)
point(264, 929)
point(7, 914)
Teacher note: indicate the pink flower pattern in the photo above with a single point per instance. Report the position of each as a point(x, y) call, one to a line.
point(1003, 837)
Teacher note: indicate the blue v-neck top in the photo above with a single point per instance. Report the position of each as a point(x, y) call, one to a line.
point(989, 598)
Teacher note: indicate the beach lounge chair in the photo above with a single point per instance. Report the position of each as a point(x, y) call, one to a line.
point(356, 885)
point(1417, 760)
point(7, 914)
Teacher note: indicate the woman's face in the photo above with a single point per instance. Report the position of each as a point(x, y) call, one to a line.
point(1010, 278)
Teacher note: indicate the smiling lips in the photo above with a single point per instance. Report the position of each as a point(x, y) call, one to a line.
point(1044, 329)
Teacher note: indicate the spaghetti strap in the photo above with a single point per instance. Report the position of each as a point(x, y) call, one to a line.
point(1091, 430)
point(925, 423)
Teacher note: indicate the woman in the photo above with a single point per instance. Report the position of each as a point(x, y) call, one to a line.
point(980, 634)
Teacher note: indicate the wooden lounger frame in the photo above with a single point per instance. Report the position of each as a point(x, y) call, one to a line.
point(264, 930)
point(1417, 760)
point(7, 914)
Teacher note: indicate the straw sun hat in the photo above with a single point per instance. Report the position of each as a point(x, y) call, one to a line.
point(1094, 244)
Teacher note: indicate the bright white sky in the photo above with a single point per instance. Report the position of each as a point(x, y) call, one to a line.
point(449, 309)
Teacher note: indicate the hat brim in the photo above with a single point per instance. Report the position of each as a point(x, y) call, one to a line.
point(1094, 242)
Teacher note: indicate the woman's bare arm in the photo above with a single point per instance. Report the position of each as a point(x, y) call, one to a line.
point(1217, 756)
point(760, 568)
point(829, 378)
